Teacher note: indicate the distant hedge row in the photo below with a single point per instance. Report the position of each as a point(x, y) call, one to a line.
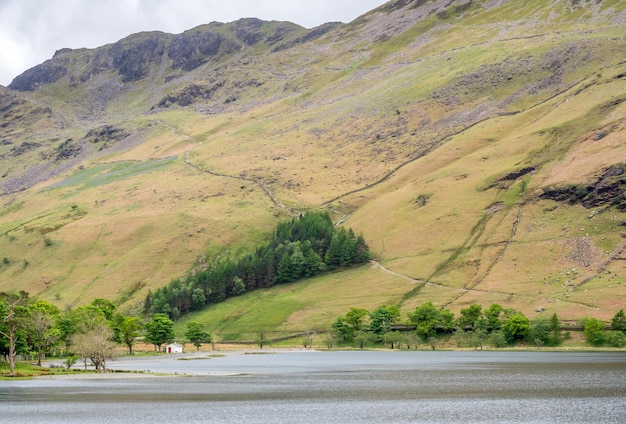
point(299, 248)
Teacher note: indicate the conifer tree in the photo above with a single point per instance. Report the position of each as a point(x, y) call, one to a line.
point(618, 323)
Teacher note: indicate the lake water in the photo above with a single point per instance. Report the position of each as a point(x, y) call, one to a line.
point(335, 387)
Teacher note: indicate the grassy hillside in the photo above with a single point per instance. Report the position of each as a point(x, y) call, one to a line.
point(437, 129)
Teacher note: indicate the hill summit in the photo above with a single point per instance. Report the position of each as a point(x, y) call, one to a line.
point(477, 145)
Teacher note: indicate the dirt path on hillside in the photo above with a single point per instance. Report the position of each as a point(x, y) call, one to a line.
point(464, 291)
point(256, 181)
point(275, 200)
point(461, 127)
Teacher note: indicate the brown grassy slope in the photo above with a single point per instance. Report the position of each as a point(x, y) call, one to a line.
point(525, 252)
point(419, 115)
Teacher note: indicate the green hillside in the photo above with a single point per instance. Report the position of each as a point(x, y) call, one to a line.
point(478, 146)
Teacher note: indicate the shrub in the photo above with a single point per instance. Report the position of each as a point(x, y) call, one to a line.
point(594, 331)
point(616, 339)
point(497, 339)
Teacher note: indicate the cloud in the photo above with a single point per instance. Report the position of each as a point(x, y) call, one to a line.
point(32, 30)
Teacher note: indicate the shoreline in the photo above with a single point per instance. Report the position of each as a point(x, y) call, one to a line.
point(81, 374)
point(188, 371)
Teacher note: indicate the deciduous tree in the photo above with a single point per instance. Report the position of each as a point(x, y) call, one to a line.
point(79, 320)
point(492, 313)
point(40, 326)
point(340, 330)
point(362, 338)
point(12, 312)
point(539, 332)
point(196, 334)
point(594, 330)
point(95, 344)
point(382, 318)
point(516, 327)
point(497, 339)
point(356, 317)
point(469, 315)
point(129, 331)
point(394, 339)
point(426, 319)
point(160, 330)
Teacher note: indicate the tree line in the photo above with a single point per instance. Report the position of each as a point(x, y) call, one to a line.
point(495, 325)
point(299, 248)
point(90, 333)
point(93, 333)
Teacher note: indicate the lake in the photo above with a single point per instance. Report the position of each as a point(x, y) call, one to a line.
point(334, 387)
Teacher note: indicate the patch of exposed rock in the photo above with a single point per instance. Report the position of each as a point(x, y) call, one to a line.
point(23, 148)
point(505, 181)
point(133, 56)
point(46, 73)
point(194, 48)
point(190, 94)
point(311, 35)
point(138, 55)
point(106, 135)
point(607, 190)
point(67, 150)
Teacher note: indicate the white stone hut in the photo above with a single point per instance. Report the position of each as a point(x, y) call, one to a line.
point(173, 348)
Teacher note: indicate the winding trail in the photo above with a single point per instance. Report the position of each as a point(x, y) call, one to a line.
point(445, 137)
point(257, 181)
point(464, 291)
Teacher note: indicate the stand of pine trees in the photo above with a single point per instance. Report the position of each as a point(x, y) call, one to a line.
point(299, 248)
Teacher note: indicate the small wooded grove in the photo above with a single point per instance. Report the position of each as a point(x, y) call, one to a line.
point(89, 333)
point(299, 248)
point(495, 326)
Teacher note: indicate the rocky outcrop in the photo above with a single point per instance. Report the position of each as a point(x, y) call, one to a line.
point(48, 72)
point(248, 30)
point(67, 150)
point(194, 48)
point(190, 94)
point(311, 35)
point(17, 113)
point(106, 133)
point(137, 55)
point(607, 190)
point(133, 56)
point(23, 148)
point(505, 181)
point(104, 136)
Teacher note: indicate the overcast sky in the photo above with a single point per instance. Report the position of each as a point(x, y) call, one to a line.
point(32, 30)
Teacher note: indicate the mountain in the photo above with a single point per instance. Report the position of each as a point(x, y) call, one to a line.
point(476, 145)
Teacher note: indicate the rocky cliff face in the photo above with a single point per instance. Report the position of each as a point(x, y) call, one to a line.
point(135, 57)
point(48, 72)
